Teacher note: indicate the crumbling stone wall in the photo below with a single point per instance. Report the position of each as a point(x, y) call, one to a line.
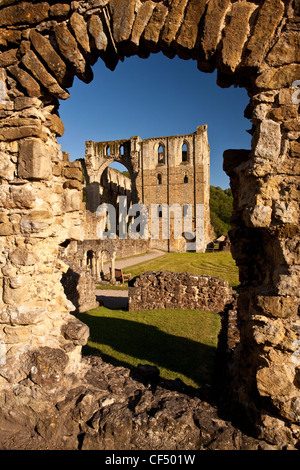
point(43, 45)
point(165, 289)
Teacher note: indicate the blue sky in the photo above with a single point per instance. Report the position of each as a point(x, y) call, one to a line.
point(155, 97)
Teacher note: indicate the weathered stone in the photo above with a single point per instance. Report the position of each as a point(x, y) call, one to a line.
point(142, 18)
point(16, 133)
point(38, 70)
point(173, 21)
point(55, 124)
point(8, 58)
point(9, 36)
point(59, 9)
point(155, 25)
point(24, 12)
point(295, 149)
point(236, 34)
point(57, 66)
point(76, 331)
point(215, 14)
point(285, 51)
point(79, 27)
point(188, 32)
point(123, 15)
point(73, 173)
point(34, 161)
point(46, 366)
point(7, 168)
point(96, 30)
point(26, 81)
point(69, 49)
point(269, 140)
point(277, 78)
point(23, 102)
point(22, 257)
point(269, 17)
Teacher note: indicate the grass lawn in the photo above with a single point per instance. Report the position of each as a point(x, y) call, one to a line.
point(212, 264)
point(181, 343)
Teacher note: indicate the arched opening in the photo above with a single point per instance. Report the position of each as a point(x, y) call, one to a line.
point(164, 147)
point(161, 158)
point(184, 153)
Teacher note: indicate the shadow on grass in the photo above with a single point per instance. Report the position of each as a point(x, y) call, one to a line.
point(140, 343)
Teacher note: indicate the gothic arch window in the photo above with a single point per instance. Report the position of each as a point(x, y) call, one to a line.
point(159, 178)
point(161, 154)
point(186, 179)
point(108, 151)
point(184, 153)
point(122, 149)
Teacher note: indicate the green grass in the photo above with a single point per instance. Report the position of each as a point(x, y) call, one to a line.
point(181, 343)
point(212, 264)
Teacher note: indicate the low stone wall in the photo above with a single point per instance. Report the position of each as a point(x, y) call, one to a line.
point(153, 290)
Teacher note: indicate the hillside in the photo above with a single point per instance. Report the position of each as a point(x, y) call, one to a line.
point(220, 209)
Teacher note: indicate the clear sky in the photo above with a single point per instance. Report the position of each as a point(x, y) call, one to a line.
point(151, 98)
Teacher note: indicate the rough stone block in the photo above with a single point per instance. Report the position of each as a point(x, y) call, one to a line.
point(24, 12)
point(34, 161)
point(31, 86)
point(236, 33)
point(123, 14)
point(155, 25)
point(189, 29)
point(286, 50)
point(269, 140)
point(276, 78)
point(142, 18)
point(79, 27)
point(57, 66)
point(214, 19)
point(269, 16)
point(173, 21)
point(38, 70)
point(97, 32)
point(69, 49)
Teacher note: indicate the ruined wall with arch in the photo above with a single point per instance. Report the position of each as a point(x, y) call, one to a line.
point(253, 44)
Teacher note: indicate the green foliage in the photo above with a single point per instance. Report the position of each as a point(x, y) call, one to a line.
point(221, 201)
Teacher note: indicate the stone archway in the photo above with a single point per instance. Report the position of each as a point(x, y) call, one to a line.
point(252, 44)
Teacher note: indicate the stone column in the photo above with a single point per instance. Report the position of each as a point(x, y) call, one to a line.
point(265, 244)
point(113, 261)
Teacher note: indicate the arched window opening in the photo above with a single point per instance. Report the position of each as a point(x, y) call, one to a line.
point(159, 212)
point(184, 153)
point(108, 151)
point(159, 178)
point(161, 154)
point(186, 179)
point(122, 149)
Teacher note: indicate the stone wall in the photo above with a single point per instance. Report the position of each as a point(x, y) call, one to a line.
point(152, 290)
point(43, 46)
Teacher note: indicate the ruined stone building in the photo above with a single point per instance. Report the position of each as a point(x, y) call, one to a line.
point(165, 172)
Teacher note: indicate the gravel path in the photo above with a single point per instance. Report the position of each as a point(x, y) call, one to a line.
point(124, 263)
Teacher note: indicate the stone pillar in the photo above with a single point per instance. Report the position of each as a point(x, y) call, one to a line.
point(113, 260)
point(265, 237)
point(39, 209)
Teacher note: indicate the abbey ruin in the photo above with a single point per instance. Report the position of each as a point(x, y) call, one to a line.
point(53, 397)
